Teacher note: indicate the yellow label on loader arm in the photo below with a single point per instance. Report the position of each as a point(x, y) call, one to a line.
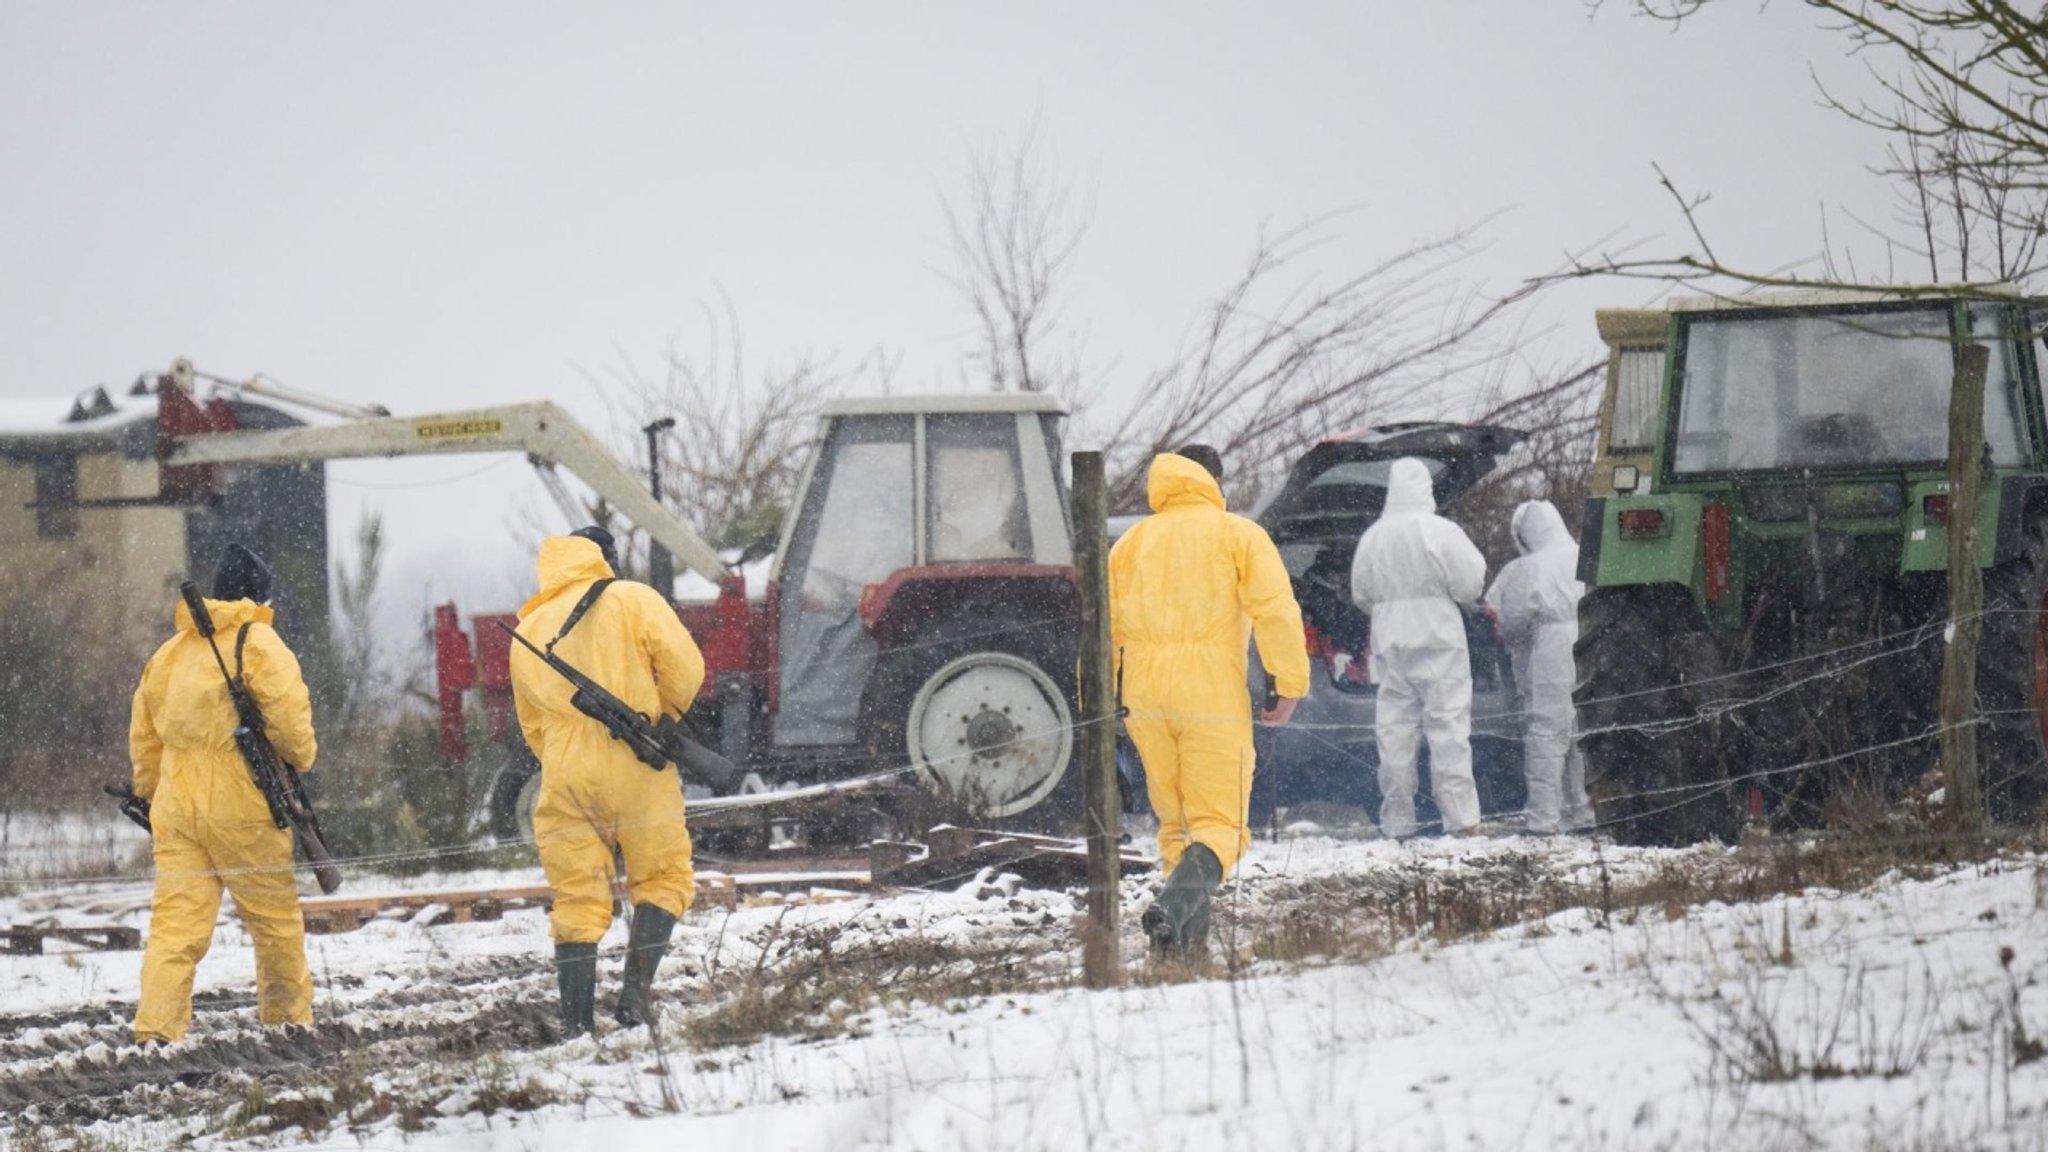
point(457, 429)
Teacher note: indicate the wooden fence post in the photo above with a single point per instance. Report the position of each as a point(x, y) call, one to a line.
point(1101, 966)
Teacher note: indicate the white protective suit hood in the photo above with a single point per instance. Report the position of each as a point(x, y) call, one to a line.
point(1408, 488)
point(1538, 525)
point(1413, 568)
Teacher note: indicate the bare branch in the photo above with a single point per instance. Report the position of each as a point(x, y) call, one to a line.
point(731, 463)
point(1015, 230)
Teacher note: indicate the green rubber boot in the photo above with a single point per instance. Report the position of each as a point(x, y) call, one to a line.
point(576, 976)
point(652, 927)
point(1177, 923)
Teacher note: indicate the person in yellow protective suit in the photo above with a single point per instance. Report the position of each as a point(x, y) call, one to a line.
point(210, 824)
point(595, 796)
point(1189, 586)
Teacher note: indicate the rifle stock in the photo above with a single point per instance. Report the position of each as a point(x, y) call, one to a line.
point(132, 806)
point(656, 743)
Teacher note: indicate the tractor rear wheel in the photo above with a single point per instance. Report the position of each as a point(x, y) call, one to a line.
point(981, 713)
point(2012, 682)
point(1653, 766)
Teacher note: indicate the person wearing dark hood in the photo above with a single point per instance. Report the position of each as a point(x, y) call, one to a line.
point(596, 797)
point(1411, 572)
point(1189, 586)
point(211, 828)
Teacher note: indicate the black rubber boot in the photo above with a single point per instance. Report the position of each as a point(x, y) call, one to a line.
point(648, 944)
point(576, 976)
point(1178, 922)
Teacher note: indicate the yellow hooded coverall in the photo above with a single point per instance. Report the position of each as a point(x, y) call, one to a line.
point(1188, 588)
point(211, 825)
point(594, 794)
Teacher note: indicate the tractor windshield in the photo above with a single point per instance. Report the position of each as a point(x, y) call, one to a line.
point(1855, 389)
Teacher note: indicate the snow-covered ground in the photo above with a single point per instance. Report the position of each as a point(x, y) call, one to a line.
point(1904, 1015)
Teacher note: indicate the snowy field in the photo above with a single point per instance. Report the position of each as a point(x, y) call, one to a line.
point(1510, 993)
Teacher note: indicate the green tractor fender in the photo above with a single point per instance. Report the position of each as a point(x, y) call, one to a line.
point(1630, 541)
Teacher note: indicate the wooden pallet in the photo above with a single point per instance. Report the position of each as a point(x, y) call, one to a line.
point(951, 856)
point(326, 914)
point(28, 941)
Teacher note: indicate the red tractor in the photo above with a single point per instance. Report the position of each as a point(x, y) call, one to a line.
point(917, 622)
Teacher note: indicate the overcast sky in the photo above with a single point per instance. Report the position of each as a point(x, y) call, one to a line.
point(443, 205)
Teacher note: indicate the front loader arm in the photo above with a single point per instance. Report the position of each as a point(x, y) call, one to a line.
point(542, 430)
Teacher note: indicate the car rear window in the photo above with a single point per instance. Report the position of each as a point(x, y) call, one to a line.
point(1367, 472)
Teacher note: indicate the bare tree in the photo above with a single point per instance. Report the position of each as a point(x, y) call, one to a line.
point(731, 463)
point(1558, 411)
point(1016, 227)
point(1970, 218)
point(1975, 69)
point(363, 683)
point(1965, 105)
point(1280, 360)
point(1277, 364)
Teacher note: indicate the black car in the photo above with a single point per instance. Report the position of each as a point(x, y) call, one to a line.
point(1332, 495)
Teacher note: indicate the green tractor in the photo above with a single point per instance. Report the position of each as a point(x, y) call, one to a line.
point(1766, 551)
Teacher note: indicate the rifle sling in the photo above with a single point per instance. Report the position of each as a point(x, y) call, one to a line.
point(590, 596)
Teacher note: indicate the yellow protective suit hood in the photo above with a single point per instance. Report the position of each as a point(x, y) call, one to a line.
point(1176, 480)
point(211, 825)
point(595, 796)
point(1189, 587)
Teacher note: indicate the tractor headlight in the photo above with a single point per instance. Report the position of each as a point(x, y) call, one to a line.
point(1626, 477)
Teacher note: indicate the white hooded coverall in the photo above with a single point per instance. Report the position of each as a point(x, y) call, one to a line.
point(1537, 599)
point(1411, 571)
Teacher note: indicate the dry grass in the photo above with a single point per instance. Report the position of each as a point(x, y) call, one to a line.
point(1356, 918)
point(811, 984)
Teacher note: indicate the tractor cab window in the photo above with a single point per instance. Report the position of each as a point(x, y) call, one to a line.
point(2004, 428)
point(974, 490)
point(1639, 384)
point(1855, 389)
point(854, 529)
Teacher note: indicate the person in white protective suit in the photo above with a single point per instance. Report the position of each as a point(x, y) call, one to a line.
point(1412, 570)
point(1536, 598)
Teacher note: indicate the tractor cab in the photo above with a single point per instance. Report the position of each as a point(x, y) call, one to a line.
point(923, 596)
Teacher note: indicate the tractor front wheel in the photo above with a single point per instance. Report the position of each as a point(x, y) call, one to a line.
point(1652, 762)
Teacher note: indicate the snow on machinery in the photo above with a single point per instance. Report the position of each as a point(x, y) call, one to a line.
point(1766, 554)
point(916, 620)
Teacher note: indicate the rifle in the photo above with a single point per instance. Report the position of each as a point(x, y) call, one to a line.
point(132, 806)
point(656, 743)
point(281, 786)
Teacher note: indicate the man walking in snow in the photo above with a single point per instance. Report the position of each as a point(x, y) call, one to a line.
point(210, 826)
point(1189, 586)
point(1411, 572)
point(596, 797)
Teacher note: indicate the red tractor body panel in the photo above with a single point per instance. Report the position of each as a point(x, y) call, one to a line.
point(898, 608)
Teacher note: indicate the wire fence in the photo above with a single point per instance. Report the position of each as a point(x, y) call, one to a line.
point(1830, 664)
